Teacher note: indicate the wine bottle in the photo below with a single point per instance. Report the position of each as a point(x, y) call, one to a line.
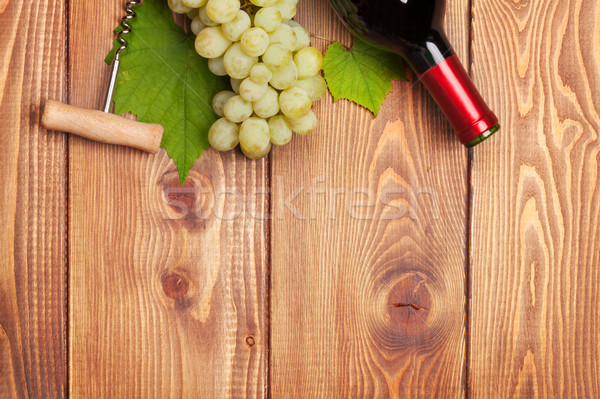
point(413, 29)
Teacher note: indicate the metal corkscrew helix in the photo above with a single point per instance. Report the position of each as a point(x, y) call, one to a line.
point(130, 15)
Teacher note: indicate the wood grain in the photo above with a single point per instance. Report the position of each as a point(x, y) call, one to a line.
point(167, 283)
point(32, 203)
point(536, 205)
point(168, 286)
point(368, 301)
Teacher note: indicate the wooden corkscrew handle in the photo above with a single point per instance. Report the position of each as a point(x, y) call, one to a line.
point(101, 126)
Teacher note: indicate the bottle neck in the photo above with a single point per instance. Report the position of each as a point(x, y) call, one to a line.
point(427, 52)
point(457, 96)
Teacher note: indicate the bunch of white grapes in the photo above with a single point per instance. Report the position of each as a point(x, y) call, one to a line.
point(274, 71)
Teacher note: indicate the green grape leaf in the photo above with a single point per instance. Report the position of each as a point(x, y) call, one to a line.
point(163, 80)
point(362, 74)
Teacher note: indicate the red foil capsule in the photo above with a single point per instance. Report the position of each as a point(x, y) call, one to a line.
point(457, 96)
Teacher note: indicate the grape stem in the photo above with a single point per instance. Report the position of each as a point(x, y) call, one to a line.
point(324, 38)
point(247, 4)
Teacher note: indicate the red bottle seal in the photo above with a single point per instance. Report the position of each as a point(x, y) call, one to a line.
point(455, 93)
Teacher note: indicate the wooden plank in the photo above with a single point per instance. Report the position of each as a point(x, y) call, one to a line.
point(168, 283)
point(338, 269)
point(536, 205)
point(32, 203)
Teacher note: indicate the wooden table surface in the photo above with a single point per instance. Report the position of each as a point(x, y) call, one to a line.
point(374, 258)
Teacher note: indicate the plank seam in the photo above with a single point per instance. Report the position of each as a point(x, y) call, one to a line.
point(269, 263)
point(67, 228)
point(468, 232)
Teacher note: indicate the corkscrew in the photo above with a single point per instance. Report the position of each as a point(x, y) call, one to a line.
point(130, 15)
point(103, 126)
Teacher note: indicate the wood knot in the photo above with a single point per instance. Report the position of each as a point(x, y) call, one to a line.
point(407, 305)
point(191, 203)
point(409, 302)
point(250, 341)
point(175, 285)
point(406, 315)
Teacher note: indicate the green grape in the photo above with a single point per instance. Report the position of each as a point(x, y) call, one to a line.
point(255, 42)
point(194, 3)
point(294, 102)
point(235, 84)
point(309, 62)
point(315, 86)
point(234, 29)
point(237, 109)
point(263, 3)
point(285, 77)
point(217, 66)
point(267, 105)
point(210, 42)
point(251, 91)
point(260, 73)
point(222, 11)
point(219, 101)
point(255, 137)
point(223, 135)
point(281, 134)
point(285, 36)
point(302, 38)
point(178, 7)
point(192, 14)
point(259, 155)
point(292, 24)
point(303, 125)
point(268, 18)
point(197, 25)
point(287, 8)
point(237, 63)
point(277, 57)
point(205, 19)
